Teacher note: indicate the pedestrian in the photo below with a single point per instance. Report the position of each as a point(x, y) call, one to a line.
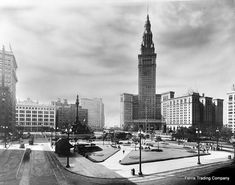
point(123, 151)
point(204, 150)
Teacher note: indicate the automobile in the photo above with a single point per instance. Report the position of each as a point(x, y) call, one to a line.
point(14, 138)
point(25, 136)
point(31, 140)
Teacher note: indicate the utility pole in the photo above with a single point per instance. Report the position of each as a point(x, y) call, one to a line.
point(140, 167)
point(77, 104)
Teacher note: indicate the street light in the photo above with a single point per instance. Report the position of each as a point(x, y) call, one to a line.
point(6, 127)
point(68, 131)
point(152, 133)
point(198, 132)
point(217, 137)
point(140, 169)
point(103, 136)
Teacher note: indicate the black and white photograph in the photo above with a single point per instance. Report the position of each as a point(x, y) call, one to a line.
point(117, 92)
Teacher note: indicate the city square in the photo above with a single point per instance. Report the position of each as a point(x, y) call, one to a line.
point(108, 170)
point(117, 92)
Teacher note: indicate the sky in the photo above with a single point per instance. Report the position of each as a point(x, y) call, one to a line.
point(64, 48)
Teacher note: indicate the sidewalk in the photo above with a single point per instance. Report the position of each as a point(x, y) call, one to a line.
point(111, 168)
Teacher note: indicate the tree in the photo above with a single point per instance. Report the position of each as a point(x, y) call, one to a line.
point(185, 133)
point(130, 127)
point(225, 133)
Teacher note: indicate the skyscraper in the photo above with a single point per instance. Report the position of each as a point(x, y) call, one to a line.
point(95, 109)
point(8, 81)
point(144, 108)
point(147, 75)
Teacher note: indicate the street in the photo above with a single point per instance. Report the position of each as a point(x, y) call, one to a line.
point(9, 163)
point(42, 168)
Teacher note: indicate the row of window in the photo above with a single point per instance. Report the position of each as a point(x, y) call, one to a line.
point(34, 115)
point(34, 108)
point(35, 112)
point(177, 123)
point(29, 123)
point(34, 119)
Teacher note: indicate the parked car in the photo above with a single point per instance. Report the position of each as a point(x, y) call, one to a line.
point(31, 140)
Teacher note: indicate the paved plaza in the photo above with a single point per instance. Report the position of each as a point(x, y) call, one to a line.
point(111, 168)
point(113, 164)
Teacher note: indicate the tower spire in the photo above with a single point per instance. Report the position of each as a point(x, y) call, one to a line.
point(147, 7)
point(147, 46)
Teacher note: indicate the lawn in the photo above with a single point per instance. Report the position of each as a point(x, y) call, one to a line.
point(100, 156)
point(169, 152)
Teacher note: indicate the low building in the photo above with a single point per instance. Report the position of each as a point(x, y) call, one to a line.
point(191, 110)
point(35, 117)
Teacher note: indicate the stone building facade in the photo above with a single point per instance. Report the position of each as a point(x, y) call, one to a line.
point(66, 114)
point(145, 108)
point(191, 110)
point(8, 80)
point(31, 116)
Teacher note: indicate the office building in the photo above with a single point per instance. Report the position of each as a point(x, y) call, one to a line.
point(191, 110)
point(145, 108)
point(31, 116)
point(231, 109)
point(95, 109)
point(8, 82)
point(66, 114)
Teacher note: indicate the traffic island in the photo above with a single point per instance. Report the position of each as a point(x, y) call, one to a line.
point(153, 156)
point(101, 156)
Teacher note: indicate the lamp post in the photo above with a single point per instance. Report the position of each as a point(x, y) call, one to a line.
point(198, 132)
point(103, 136)
point(217, 139)
point(140, 168)
point(68, 130)
point(6, 127)
point(51, 136)
point(151, 133)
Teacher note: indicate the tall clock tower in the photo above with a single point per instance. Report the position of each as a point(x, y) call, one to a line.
point(147, 76)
